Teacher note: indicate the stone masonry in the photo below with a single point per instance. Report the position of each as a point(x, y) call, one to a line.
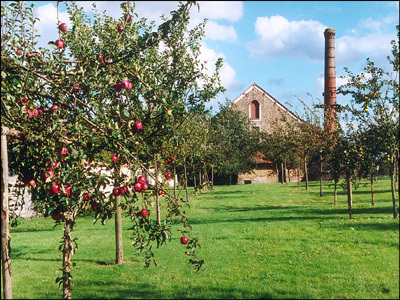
point(264, 111)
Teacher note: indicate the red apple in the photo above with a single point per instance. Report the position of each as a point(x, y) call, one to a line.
point(87, 197)
point(142, 179)
point(32, 183)
point(124, 84)
point(75, 89)
point(54, 107)
point(120, 28)
point(59, 43)
point(114, 158)
point(128, 18)
point(137, 126)
point(184, 240)
point(38, 54)
point(161, 192)
point(144, 213)
point(24, 100)
point(63, 27)
point(137, 187)
point(56, 216)
point(94, 205)
point(28, 55)
point(35, 112)
point(116, 192)
point(123, 190)
point(18, 52)
point(117, 87)
point(55, 189)
point(63, 151)
point(145, 187)
point(68, 191)
point(48, 173)
point(100, 57)
point(129, 85)
point(28, 111)
point(168, 175)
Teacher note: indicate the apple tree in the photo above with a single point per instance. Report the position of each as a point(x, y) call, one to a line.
point(101, 97)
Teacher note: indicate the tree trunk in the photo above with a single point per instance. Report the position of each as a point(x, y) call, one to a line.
point(321, 193)
point(200, 181)
point(194, 181)
point(286, 173)
point(306, 173)
point(119, 252)
point(5, 229)
point(119, 255)
point(158, 211)
point(335, 194)
point(212, 176)
point(67, 254)
point(186, 184)
point(298, 172)
point(349, 194)
point(175, 182)
point(372, 189)
point(282, 174)
point(397, 172)
point(206, 180)
point(393, 186)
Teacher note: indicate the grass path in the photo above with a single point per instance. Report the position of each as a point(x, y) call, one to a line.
point(258, 241)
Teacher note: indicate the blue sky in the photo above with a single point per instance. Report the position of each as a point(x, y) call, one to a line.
point(277, 44)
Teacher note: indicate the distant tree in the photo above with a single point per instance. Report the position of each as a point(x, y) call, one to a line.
point(375, 107)
point(233, 141)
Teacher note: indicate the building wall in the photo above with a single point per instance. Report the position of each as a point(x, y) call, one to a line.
point(267, 176)
point(271, 116)
point(271, 110)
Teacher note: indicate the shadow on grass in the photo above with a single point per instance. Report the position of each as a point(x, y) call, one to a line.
point(373, 210)
point(105, 263)
point(120, 290)
point(365, 226)
point(291, 213)
point(226, 208)
point(229, 192)
point(262, 219)
point(23, 230)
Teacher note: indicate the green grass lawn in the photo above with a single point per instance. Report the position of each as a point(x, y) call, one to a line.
point(258, 241)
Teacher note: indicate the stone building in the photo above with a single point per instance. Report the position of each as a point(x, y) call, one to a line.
point(264, 111)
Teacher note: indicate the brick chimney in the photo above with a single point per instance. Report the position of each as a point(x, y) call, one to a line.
point(330, 119)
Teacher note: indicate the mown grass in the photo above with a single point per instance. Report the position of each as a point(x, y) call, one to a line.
point(258, 241)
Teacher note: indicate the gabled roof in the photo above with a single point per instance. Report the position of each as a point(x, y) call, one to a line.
point(267, 96)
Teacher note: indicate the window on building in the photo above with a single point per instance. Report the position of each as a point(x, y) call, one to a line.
point(254, 110)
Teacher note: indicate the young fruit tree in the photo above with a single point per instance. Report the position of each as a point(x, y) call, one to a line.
point(102, 97)
point(375, 107)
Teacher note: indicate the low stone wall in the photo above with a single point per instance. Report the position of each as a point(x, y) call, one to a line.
point(20, 199)
point(258, 176)
point(266, 176)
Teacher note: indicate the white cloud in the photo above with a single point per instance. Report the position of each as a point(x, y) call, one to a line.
point(227, 73)
point(221, 10)
point(279, 37)
point(214, 31)
point(47, 26)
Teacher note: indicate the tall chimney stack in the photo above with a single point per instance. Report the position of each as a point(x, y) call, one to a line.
point(330, 121)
